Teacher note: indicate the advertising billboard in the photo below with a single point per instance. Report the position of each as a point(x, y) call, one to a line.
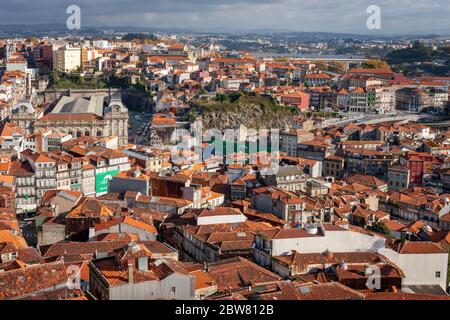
point(102, 180)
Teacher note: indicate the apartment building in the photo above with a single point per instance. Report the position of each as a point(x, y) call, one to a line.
point(45, 169)
point(385, 100)
point(312, 238)
point(398, 177)
point(66, 59)
point(289, 140)
point(25, 182)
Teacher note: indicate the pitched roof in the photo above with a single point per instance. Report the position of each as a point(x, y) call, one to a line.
point(23, 282)
point(367, 180)
point(239, 272)
point(419, 247)
point(126, 220)
point(8, 236)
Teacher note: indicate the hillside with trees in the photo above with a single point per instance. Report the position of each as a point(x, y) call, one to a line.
point(421, 59)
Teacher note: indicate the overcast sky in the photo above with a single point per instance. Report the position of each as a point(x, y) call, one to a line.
point(397, 16)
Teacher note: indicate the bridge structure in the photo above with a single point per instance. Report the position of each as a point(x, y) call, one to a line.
point(426, 119)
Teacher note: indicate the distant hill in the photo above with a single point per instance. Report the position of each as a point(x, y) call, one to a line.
point(139, 36)
point(425, 55)
point(61, 29)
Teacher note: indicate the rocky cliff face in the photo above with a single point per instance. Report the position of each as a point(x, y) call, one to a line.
point(251, 115)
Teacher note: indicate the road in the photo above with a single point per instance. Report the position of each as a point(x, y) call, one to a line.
point(139, 124)
point(28, 228)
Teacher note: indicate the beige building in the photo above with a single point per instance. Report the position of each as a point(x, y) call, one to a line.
point(66, 59)
point(97, 116)
point(45, 172)
point(385, 100)
point(398, 178)
point(24, 114)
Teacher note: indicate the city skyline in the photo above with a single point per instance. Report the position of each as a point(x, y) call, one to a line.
point(219, 158)
point(397, 18)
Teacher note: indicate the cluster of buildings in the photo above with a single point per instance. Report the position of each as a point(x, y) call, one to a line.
point(353, 211)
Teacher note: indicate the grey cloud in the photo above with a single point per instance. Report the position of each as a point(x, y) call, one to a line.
point(398, 16)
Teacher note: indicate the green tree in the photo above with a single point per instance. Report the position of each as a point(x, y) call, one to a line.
point(234, 97)
point(379, 227)
point(221, 97)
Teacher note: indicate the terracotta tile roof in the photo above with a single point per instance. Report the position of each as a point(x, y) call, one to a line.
point(202, 279)
point(7, 247)
point(220, 211)
point(236, 273)
point(366, 180)
point(6, 236)
point(54, 117)
point(115, 275)
point(302, 260)
point(317, 76)
point(402, 296)
point(271, 218)
point(394, 225)
point(23, 282)
point(92, 208)
point(165, 268)
point(354, 188)
point(12, 265)
point(126, 220)
point(416, 247)
point(358, 272)
point(29, 255)
point(287, 290)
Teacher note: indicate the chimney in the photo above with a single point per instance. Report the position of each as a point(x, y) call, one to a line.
point(91, 232)
point(130, 271)
point(368, 271)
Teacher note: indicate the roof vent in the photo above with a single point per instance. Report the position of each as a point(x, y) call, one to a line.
point(343, 265)
point(327, 253)
point(311, 228)
point(304, 290)
point(158, 262)
point(368, 271)
point(134, 247)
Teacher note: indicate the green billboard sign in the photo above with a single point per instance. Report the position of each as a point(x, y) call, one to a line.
point(102, 180)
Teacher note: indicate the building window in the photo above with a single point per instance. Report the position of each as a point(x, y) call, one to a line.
point(86, 133)
point(174, 289)
point(438, 274)
point(99, 133)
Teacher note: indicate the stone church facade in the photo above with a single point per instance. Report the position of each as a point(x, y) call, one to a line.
point(97, 115)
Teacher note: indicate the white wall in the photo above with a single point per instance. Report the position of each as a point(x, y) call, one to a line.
point(221, 219)
point(335, 241)
point(420, 269)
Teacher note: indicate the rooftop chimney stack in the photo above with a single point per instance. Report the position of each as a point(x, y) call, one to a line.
point(130, 271)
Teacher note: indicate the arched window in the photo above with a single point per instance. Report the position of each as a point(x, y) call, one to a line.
point(71, 133)
point(78, 134)
point(99, 133)
point(86, 133)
